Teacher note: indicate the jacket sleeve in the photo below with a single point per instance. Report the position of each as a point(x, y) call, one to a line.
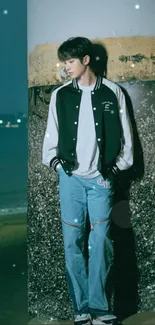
point(50, 143)
point(125, 158)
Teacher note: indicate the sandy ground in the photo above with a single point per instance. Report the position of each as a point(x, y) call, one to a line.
point(13, 270)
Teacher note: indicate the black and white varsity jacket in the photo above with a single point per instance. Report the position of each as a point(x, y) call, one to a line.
point(111, 122)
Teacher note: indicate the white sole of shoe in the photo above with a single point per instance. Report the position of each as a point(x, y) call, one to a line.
point(88, 323)
point(98, 322)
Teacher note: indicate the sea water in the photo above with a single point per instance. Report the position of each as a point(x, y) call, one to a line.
point(13, 170)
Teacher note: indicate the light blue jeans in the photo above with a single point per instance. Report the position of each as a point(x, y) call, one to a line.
point(77, 196)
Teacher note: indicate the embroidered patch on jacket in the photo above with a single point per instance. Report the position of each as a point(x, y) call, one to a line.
point(107, 105)
point(103, 183)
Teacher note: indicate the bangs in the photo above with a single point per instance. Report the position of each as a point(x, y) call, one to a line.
point(75, 48)
point(66, 54)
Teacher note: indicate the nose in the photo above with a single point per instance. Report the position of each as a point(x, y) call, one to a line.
point(67, 67)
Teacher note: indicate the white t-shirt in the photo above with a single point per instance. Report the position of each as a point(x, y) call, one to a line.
point(87, 150)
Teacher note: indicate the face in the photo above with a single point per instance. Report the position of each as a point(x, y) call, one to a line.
point(74, 67)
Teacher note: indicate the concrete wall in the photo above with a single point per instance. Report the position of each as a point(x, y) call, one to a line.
point(128, 58)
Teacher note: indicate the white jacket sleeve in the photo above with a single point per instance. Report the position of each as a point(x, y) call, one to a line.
point(50, 143)
point(125, 157)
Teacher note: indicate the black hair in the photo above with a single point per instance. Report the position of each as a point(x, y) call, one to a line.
point(78, 47)
point(75, 47)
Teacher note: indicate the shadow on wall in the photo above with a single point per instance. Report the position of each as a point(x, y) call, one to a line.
point(125, 271)
point(124, 274)
point(100, 60)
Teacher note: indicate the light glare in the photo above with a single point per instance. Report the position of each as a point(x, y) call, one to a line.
point(5, 12)
point(137, 6)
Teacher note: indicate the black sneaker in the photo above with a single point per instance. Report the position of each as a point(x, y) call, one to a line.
point(82, 319)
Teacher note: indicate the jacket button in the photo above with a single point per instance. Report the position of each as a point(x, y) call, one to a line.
point(73, 139)
point(77, 106)
point(96, 123)
point(72, 154)
point(98, 139)
point(92, 92)
point(94, 108)
point(75, 122)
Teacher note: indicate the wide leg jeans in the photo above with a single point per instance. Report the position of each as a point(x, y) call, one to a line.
point(77, 197)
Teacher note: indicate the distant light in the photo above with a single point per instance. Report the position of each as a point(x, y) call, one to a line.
point(132, 65)
point(5, 12)
point(137, 7)
point(19, 121)
point(8, 124)
point(14, 126)
point(58, 65)
point(1, 122)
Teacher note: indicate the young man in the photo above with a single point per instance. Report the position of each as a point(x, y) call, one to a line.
point(88, 141)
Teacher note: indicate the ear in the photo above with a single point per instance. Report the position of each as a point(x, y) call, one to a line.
point(86, 59)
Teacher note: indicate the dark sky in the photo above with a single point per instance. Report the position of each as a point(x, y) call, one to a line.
point(13, 56)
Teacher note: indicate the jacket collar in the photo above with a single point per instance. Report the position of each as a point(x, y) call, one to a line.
point(97, 85)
